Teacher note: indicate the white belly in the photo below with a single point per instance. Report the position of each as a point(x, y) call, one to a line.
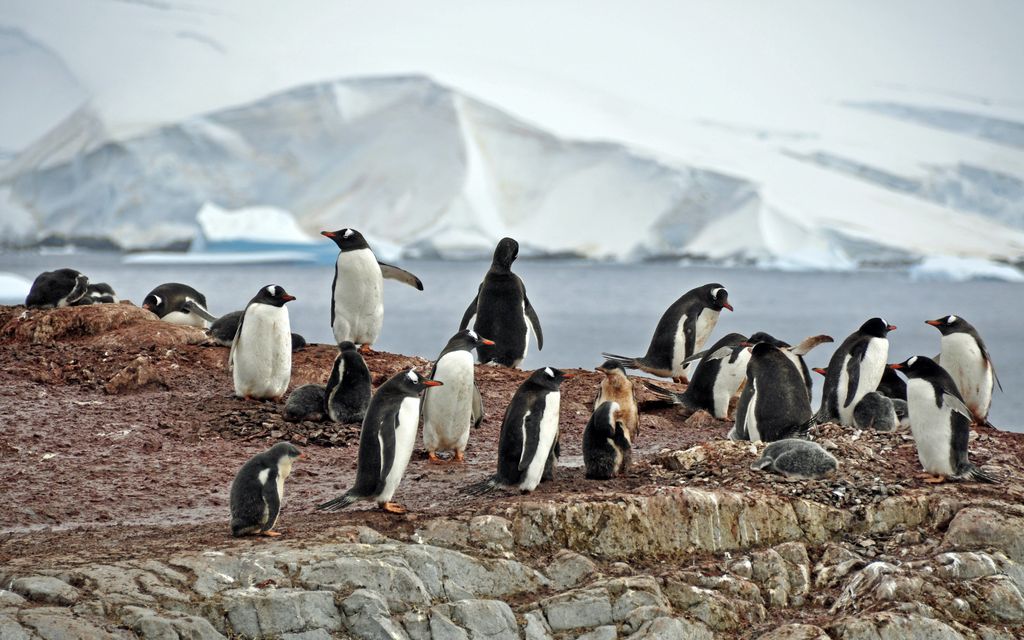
point(966, 364)
point(261, 358)
point(448, 410)
point(930, 427)
point(730, 376)
point(405, 438)
point(871, 369)
point(750, 422)
point(358, 297)
point(187, 319)
point(548, 433)
point(706, 322)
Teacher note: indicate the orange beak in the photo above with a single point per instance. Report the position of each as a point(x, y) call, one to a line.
point(303, 456)
point(934, 323)
point(819, 370)
point(568, 375)
point(287, 298)
point(432, 383)
point(485, 341)
point(727, 306)
point(891, 327)
point(896, 366)
point(327, 234)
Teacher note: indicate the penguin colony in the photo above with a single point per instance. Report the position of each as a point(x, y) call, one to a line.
point(761, 380)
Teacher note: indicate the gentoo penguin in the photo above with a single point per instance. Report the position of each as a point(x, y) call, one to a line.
point(178, 304)
point(529, 433)
point(796, 458)
point(939, 421)
point(875, 411)
point(357, 293)
point(449, 410)
point(306, 403)
point(854, 370)
point(616, 387)
point(969, 364)
point(258, 490)
point(892, 386)
point(223, 330)
point(718, 378)
point(60, 288)
point(774, 403)
point(502, 311)
point(97, 293)
point(261, 353)
point(386, 442)
point(606, 448)
point(795, 353)
point(681, 332)
point(348, 388)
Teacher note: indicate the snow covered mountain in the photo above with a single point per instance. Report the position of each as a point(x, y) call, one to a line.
point(669, 132)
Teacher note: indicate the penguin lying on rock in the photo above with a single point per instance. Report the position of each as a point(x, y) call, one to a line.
point(97, 293)
point(258, 490)
point(60, 288)
point(606, 449)
point(796, 458)
point(178, 304)
point(345, 397)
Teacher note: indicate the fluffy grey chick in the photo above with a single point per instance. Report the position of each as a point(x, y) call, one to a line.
point(875, 411)
point(795, 458)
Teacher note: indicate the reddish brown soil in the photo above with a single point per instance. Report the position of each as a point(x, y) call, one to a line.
point(95, 471)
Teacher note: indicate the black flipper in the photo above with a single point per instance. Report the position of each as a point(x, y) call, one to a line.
point(338, 503)
point(272, 499)
point(194, 307)
point(534, 322)
point(470, 311)
point(484, 486)
point(392, 272)
point(478, 407)
point(387, 451)
point(531, 424)
point(234, 341)
point(625, 361)
point(667, 394)
point(857, 354)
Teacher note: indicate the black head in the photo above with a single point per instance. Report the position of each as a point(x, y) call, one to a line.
point(505, 253)
point(409, 383)
point(762, 349)
point(876, 328)
point(272, 294)
point(282, 450)
point(155, 303)
point(610, 366)
point(346, 345)
point(346, 239)
point(950, 324)
point(549, 378)
point(716, 297)
point(919, 367)
point(767, 338)
point(468, 340)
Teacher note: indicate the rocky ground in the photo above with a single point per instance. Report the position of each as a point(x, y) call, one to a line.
point(120, 439)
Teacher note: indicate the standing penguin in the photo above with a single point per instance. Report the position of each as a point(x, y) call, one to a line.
point(60, 288)
point(794, 353)
point(529, 433)
point(718, 377)
point(258, 490)
point(606, 448)
point(681, 332)
point(386, 442)
point(261, 353)
point(774, 404)
point(969, 364)
point(357, 293)
point(502, 311)
point(939, 421)
point(854, 370)
point(449, 411)
point(178, 304)
point(616, 387)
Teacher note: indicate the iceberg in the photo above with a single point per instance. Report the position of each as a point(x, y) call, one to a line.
point(954, 269)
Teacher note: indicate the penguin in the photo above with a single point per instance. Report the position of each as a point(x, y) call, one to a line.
point(502, 311)
point(718, 378)
point(796, 458)
point(795, 353)
point(854, 370)
point(606, 448)
point(348, 391)
point(261, 353)
point(968, 363)
point(774, 403)
point(617, 387)
point(258, 490)
point(681, 332)
point(178, 304)
point(875, 411)
point(450, 410)
point(223, 330)
point(357, 293)
point(892, 386)
point(939, 421)
point(60, 288)
point(305, 403)
point(386, 442)
point(529, 434)
point(101, 293)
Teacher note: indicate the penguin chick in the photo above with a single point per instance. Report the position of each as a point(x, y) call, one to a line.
point(258, 490)
point(606, 448)
point(305, 403)
point(60, 288)
point(348, 387)
point(98, 293)
point(795, 458)
point(618, 388)
point(875, 411)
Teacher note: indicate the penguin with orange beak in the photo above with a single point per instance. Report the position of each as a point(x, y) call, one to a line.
point(450, 410)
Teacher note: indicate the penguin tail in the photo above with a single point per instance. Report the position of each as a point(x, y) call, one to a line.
point(971, 472)
point(666, 394)
point(338, 503)
point(626, 362)
point(799, 430)
point(482, 487)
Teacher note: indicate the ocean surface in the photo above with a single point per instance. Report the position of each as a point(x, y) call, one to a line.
point(586, 308)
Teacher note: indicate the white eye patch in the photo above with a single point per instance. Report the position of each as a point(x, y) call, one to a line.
point(272, 290)
point(950, 319)
point(412, 376)
point(472, 334)
point(159, 300)
point(912, 361)
point(348, 233)
point(547, 370)
point(714, 292)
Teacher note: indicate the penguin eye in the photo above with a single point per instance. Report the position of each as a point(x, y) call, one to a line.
point(549, 372)
point(348, 233)
point(950, 319)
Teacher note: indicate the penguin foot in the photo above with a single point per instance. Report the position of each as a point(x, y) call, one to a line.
point(931, 478)
point(270, 533)
point(392, 507)
point(459, 457)
point(434, 459)
point(365, 349)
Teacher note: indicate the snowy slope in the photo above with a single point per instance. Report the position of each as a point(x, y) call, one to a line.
point(795, 134)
